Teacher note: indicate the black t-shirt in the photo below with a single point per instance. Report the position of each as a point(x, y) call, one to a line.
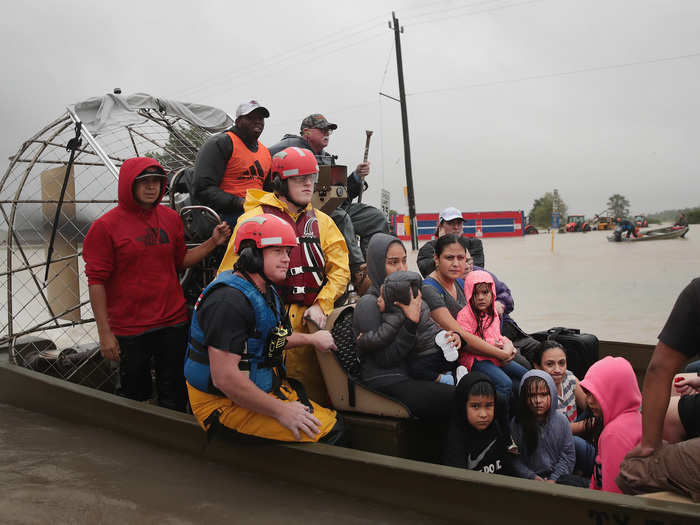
point(682, 329)
point(227, 319)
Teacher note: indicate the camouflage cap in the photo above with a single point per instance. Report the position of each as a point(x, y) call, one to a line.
point(317, 121)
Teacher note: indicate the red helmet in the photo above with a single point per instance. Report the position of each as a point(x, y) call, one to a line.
point(266, 230)
point(294, 162)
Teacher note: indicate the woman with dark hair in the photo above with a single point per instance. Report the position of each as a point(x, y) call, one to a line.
point(386, 369)
point(443, 290)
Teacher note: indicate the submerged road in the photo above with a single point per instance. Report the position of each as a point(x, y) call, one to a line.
point(53, 471)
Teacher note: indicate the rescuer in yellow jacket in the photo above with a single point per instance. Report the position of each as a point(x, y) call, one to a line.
point(318, 272)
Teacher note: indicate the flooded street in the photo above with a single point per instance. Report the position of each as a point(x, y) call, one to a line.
point(617, 291)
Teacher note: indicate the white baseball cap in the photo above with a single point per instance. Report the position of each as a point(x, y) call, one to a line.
point(451, 213)
point(250, 106)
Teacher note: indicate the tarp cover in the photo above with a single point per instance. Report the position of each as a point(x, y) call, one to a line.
point(101, 114)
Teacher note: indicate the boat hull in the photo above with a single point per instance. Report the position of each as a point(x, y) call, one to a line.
point(444, 492)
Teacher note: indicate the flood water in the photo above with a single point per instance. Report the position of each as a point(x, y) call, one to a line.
point(53, 471)
point(617, 291)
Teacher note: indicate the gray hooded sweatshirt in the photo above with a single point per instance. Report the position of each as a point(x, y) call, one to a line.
point(555, 454)
point(385, 366)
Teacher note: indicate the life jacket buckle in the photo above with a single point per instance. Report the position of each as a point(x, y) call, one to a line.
point(298, 290)
point(296, 270)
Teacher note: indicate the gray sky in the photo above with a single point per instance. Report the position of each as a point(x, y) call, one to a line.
point(507, 98)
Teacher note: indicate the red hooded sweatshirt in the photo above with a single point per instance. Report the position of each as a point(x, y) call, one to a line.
point(614, 385)
point(135, 254)
point(467, 319)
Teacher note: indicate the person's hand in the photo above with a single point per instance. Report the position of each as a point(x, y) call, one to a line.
point(508, 352)
point(221, 233)
point(296, 417)
point(454, 339)
point(641, 451)
point(362, 169)
point(687, 385)
point(549, 481)
point(412, 309)
point(323, 341)
point(499, 307)
point(109, 346)
point(537, 478)
point(315, 315)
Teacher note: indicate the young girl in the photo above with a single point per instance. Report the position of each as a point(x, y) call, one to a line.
point(613, 396)
point(541, 433)
point(480, 318)
point(478, 436)
point(571, 401)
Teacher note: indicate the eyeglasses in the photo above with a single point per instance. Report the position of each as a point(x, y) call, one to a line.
point(325, 131)
point(303, 179)
point(395, 261)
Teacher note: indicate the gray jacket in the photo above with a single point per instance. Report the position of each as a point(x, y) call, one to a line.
point(384, 366)
point(393, 319)
point(555, 454)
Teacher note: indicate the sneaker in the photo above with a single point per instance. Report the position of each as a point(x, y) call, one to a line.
point(448, 349)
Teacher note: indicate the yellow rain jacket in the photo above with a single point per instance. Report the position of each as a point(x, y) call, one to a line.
point(301, 361)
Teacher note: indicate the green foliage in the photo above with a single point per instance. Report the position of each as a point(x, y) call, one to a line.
point(692, 214)
point(619, 205)
point(541, 213)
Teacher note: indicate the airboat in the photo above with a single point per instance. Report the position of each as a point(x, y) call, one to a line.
point(62, 179)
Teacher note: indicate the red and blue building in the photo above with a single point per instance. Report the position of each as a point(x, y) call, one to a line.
point(476, 224)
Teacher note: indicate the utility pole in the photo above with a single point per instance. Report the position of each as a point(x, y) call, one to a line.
point(394, 24)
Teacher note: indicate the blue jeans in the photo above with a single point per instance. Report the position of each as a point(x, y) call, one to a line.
point(585, 456)
point(502, 377)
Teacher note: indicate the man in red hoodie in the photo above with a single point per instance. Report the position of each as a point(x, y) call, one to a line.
point(132, 255)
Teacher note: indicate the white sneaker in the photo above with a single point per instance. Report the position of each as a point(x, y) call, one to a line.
point(448, 349)
point(461, 372)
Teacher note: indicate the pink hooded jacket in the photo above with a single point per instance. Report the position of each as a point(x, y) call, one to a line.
point(614, 385)
point(467, 319)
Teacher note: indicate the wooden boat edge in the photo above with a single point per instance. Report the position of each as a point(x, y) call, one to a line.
point(437, 490)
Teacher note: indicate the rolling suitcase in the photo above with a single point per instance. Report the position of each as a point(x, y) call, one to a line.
point(581, 349)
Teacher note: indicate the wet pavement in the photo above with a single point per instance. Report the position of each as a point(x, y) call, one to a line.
point(53, 471)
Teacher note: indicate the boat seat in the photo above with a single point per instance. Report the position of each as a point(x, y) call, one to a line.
point(340, 371)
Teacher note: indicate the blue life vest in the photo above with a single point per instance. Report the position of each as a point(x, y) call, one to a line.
point(197, 371)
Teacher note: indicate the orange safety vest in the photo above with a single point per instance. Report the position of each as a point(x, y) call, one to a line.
point(245, 169)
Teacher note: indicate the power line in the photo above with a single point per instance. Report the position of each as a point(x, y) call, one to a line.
point(412, 18)
point(308, 48)
point(474, 13)
point(560, 74)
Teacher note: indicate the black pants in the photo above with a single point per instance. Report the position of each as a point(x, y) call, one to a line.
point(359, 219)
point(166, 347)
point(425, 399)
point(430, 366)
